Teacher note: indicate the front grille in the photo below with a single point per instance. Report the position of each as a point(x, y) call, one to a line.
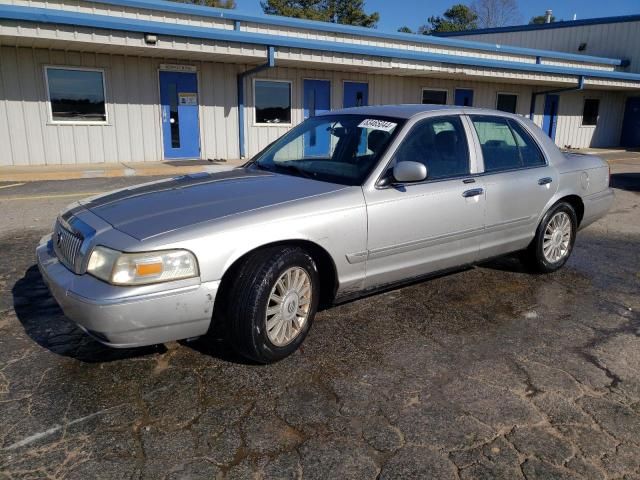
point(66, 246)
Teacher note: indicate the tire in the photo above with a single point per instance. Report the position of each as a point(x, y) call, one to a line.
point(251, 326)
point(559, 247)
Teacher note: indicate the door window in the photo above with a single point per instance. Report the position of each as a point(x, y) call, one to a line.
point(440, 144)
point(505, 144)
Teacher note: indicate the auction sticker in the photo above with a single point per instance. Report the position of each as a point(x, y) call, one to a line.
point(374, 124)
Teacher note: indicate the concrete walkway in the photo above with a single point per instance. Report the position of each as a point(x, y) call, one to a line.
point(93, 170)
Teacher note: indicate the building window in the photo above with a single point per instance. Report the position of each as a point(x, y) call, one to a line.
point(507, 102)
point(435, 97)
point(76, 95)
point(273, 101)
point(590, 111)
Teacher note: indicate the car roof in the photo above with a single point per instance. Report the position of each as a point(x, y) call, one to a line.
point(407, 111)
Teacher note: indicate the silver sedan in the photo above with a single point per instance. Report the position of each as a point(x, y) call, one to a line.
point(345, 204)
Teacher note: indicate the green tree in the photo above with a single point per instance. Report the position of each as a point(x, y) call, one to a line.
point(456, 19)
point(347, 12)
point(211, 3)
point(405, 29)
point(541, 19)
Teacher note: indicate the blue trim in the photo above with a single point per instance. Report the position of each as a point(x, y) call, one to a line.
point(43, 15)
point(271, 62)
point(544, 26)
point(534, 95)
point(189, 9)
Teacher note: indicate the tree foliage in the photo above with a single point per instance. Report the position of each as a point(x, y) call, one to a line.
point(212, 3)
point(347, 12)
point(541, 19)
point(496, 13)
point(405, 29)
point(457, 18)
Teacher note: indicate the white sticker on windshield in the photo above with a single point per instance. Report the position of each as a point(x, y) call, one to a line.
point(374, 124)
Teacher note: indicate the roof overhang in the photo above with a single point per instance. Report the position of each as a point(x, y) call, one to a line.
point(64, 29)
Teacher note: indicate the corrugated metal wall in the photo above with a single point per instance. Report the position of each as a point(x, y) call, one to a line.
point(615, 40)
point(134, 130)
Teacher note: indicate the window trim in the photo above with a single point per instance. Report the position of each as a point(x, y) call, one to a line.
point(591, 125)
point(50, 120)
point(526, 128)
point(255, 117)
point(445, 90)
point(508, 93)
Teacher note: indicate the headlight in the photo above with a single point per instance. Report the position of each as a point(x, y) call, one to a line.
point(141, 268)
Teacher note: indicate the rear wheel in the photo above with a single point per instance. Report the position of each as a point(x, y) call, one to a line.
point(555, 236)
point(272, 302)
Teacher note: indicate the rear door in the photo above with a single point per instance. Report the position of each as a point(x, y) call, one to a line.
point(419, 228)
point(518, 182)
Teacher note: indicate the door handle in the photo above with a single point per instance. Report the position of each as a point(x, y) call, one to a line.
point(474, 192)
point(545, 181)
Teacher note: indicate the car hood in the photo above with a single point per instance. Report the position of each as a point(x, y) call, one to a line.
point(151, 209)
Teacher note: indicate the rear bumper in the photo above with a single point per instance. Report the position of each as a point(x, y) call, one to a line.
point(596, 206)
point(122, 321)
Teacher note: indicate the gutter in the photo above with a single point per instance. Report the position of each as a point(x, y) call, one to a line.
point(534, 95)
point(271, 62)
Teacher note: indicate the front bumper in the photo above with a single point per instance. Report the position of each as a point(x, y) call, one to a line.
point(124, 317)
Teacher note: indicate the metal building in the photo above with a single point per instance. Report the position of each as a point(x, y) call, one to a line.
point(617, 37)
point(147, 80)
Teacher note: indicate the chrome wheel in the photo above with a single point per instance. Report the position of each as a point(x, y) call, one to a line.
point(557, 238)
point(288, 306)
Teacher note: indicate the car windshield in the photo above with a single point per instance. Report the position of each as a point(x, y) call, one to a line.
point(332, 148)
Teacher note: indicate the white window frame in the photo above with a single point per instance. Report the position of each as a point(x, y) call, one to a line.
point(445, 90)
point(255, 117)
point(584, 100)
point(51, 121)
point(508, 93)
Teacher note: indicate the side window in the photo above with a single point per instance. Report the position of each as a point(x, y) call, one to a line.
point(529, 150)
point(499, 147)
point(440, 144)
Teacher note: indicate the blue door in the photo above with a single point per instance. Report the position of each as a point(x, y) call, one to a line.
point(179, 101)
point(464, 97)
point(631, 124)
point(317, 99)
point(550, 120)
point(356, 94)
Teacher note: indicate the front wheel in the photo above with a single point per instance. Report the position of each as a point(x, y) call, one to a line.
point(555, 236)
point(272, 302)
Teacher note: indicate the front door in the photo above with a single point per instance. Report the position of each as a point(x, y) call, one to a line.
point(179, 102)
point(419, 228)
point(550, 120)
point(630, 137)
point(464, 97)
point(317, 99)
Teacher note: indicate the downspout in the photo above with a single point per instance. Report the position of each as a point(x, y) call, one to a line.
point(271, 62)
point(532, 108)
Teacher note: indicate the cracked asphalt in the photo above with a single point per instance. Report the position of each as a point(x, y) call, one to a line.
point(491, 372)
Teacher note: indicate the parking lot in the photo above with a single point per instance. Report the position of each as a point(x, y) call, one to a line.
point(491, 372)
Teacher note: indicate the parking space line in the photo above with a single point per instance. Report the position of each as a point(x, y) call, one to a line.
point(11, 185)
point(46, 197)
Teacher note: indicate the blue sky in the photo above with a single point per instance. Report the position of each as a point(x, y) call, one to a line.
point(395, 13)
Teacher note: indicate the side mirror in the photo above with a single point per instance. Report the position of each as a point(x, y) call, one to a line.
point(407, 172)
